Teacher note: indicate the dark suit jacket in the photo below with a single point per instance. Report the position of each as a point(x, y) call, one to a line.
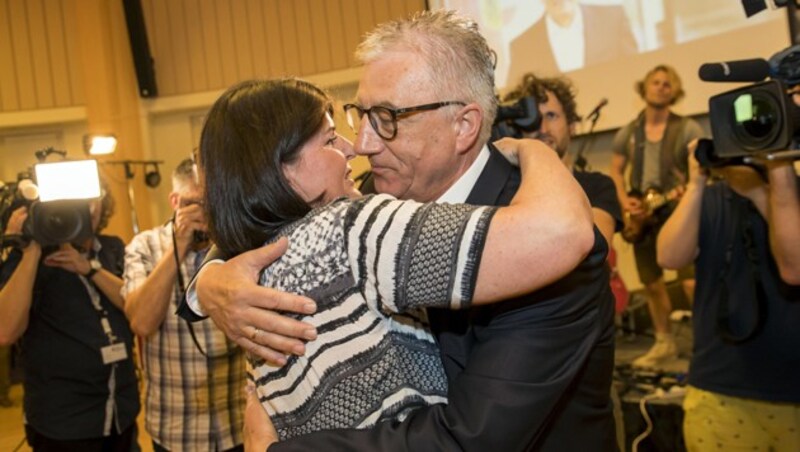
point(532, 373)
point(607, 36)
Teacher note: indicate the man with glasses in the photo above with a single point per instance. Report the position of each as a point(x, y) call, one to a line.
point(529, 373)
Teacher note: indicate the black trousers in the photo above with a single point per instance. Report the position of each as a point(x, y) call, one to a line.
point(116, 442)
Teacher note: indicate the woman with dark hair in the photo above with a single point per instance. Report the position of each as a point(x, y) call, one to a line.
point(274, 166)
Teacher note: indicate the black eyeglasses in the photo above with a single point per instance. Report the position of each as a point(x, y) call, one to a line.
point(384, 119)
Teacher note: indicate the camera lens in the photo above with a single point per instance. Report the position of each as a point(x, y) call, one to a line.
point(757, 119)
point(62, 225)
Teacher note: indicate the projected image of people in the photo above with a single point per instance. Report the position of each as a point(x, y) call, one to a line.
point(570, 35)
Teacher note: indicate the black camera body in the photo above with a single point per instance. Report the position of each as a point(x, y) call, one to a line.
point(50, 223)
point(55, 222)
point(515, 119)
point(755, 119)
point(199, 237)
point(758, 119)
point(58, 203)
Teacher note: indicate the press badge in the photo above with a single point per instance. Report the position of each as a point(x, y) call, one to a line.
point(114, 353)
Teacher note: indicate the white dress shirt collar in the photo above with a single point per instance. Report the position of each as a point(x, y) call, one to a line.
point(460, 190)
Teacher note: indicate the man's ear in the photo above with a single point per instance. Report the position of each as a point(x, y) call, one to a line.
point(573, 127)
point(174, 200)
point(468, 127)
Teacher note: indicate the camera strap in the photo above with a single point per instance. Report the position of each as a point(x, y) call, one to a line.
point(741, 216)
point(181, 292)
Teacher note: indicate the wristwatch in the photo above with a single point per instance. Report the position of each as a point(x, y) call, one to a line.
point(94, 266)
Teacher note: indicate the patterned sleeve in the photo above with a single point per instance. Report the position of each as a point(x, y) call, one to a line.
point(406, 255)
point(138, 263)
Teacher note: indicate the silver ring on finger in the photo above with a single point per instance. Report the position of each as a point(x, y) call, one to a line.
point(256, 332)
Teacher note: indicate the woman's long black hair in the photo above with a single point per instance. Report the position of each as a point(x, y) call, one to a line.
point(253, 129)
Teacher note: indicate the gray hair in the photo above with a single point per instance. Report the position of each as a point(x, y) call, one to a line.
point(183, 175)
point(460, 62)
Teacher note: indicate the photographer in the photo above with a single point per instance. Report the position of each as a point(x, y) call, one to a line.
point(65, 308)
point(194, 393)
point(555, 98)
point(742, 233)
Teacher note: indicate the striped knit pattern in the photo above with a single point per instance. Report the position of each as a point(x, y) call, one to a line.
point(371, 265)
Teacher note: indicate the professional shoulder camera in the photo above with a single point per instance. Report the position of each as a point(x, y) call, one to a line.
point(517, 118)
point(57, 196)
point(756, 120)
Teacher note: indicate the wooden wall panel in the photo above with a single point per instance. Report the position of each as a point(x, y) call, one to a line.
point(21, 48)
point(257, 37)
point(320, 35)
point(9, 96)
point(291, 50)
point(334, 23)
point(211, 49)
point(54, 24)
point(77, 89)
point(197, 45)
point(227, 45)
point(180, 48)
point(40, 55)
point(397, 9)
point(161, 47)
point(364, 14)
point(307, 44)
point(380, 12)
point(241, 39)
point(352, 31)
point(272, 33)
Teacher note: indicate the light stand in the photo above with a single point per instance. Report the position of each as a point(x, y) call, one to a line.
point(128, 165)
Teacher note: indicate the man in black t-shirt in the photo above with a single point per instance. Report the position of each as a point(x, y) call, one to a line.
point(555, 98)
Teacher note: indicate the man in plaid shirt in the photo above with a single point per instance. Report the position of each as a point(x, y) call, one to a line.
point(194, 375)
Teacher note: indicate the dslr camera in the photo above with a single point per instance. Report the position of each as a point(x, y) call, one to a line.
point(758, 119)
point(57, 197)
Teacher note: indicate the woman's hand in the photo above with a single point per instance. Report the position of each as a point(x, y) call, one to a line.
point(259, 433)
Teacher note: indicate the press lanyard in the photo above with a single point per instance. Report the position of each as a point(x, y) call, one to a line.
point(116, 350)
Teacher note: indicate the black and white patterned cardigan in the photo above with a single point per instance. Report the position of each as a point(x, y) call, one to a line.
point(372, 265)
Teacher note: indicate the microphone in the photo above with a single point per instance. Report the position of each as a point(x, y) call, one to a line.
point(754, 70)
point(594, 114)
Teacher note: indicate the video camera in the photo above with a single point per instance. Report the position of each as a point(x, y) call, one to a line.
point(515, 119)
point(758, 119)
point(57, 197)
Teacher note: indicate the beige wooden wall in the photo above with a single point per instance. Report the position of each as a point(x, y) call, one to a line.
point(203, 45)
point(197, 45)
point(39, 63)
